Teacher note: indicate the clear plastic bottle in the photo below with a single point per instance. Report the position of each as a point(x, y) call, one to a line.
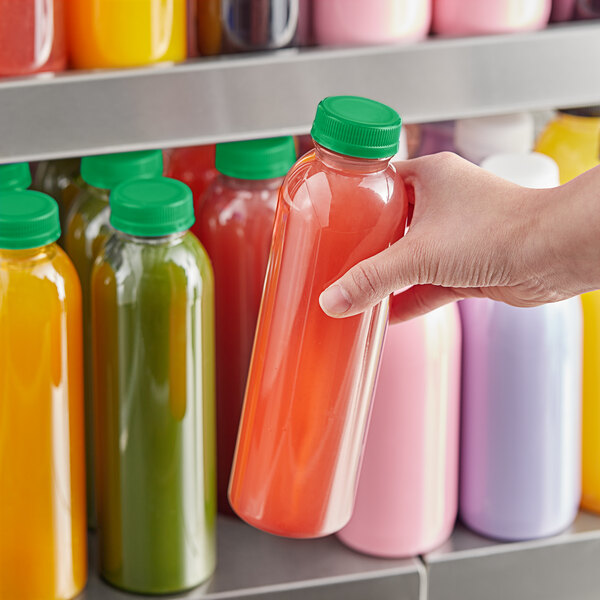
point(311, 377)
point(126, 33)
point(15, 176)
point(43, 535)
point(87, 229)
point(521, 411)
point(235, 225)
point(32, 36)
point(154, 393)
point(407, 495)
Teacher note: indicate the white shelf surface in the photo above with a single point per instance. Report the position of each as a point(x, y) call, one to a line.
point(246, 96)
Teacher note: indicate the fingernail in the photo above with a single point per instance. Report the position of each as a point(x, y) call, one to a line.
point(335, 301)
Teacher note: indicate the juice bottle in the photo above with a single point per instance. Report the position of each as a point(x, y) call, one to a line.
point(15, 176)
point(407, 495)
point(562, 10)
point(195, 166)
point(126, 33)
point(476, 139)
point(588, 9)
point(572, 139)
point(209, 27)
point(42, 467)
point(154, 393)
point(32, 36)
point(521, 410)
point(311, 377)
point(355, 22)
point(436, 137)
point(87, 230)
point(235, 225)
point(474, 17)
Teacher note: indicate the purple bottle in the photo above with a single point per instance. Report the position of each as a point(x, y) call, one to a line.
point(521, 411)
point(436, 137)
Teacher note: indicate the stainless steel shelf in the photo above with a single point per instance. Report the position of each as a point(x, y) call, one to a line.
point(245, 96)
point(256, 565)
point(565, 567)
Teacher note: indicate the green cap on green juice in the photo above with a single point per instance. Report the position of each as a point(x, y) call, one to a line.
point(15, 176)
point(28, 219)
point(106, 171)
point(256, 159)
point(357, 126)
point(151, 207)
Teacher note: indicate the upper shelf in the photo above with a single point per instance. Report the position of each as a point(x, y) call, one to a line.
point(260, 95)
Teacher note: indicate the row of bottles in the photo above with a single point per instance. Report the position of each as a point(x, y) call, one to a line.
point(150, 355)
point(46, 35)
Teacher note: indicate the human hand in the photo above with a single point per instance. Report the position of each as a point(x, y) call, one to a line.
point(473, 234)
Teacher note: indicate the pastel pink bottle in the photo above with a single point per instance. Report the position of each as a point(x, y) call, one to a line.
point(407, 496)
point(357, 22)
point(480, 17)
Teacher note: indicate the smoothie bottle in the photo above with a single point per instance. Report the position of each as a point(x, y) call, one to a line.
point(476, 139)
point(15, 176)
point(587, 9)
point(562, 10)
point(357, 23)
point(407, 495)
point(42, 467)
point(154, 393)
point(477, 17)
point(87, 229)
point(436, 137)
point(235, 225)
point(311, 377)
point(521, 425)
point(572, 139)
point(126, 33)
point(209, 27)
point(195, 166)
point(32, 36)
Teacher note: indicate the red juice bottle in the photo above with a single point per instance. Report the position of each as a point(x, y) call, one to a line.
point(311, 377)
point(235, 225)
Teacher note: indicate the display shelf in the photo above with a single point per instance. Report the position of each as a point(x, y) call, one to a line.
point(252, 564)
point(246, 96)
point(564, 567)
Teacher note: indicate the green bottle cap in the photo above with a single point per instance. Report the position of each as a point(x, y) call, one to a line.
point(28, 219)
point(357, 127)
point(256, 159)
point(15, 176)
point(106, 171)
point(151, 207)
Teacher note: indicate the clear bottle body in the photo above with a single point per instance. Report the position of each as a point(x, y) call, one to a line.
point(43, 536)
point(153, 336)
point(311, 377)
point(235, 225)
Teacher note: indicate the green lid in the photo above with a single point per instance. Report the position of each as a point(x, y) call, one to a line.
point(151, 207)
point(256, 159)
point(106, 171)
point(357, 126)
point(15, 176)
point(28, 219)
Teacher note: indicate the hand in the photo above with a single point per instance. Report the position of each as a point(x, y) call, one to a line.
point(473, 234)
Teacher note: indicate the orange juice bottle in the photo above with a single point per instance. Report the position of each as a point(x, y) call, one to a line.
point(42, 472)
point(126, 33)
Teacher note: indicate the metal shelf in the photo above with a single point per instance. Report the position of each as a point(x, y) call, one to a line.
point(565, 567)
point(246, 96)
point(256, 565)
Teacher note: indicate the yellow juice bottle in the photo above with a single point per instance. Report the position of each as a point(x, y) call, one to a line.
point(126, 33)
point(42, 470)
point(573, 140)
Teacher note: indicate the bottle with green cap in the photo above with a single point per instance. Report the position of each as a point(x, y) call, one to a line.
point(235, 225)
point(42, 465)
point(154, 392)
point(311, 376)
point(87, 228)
point(14, 176)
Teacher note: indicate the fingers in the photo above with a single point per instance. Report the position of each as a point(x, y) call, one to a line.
point(421, 299)
point(372, 280)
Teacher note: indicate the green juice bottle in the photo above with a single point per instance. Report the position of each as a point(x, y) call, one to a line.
point(87, 229)
point(15, 177)
point(154, 393)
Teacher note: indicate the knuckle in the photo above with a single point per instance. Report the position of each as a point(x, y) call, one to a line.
point(367, 280)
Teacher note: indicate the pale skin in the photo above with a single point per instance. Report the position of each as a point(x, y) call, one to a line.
point(473, 234)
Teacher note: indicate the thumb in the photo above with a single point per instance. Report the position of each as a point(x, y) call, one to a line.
point(372, 280)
